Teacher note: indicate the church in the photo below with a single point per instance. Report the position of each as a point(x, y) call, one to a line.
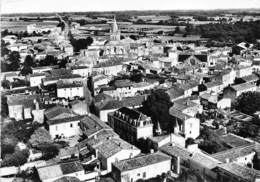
point(115, 47)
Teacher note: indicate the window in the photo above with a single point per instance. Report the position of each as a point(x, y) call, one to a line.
point(138, 174)
point(71, 125)
point(144, 174)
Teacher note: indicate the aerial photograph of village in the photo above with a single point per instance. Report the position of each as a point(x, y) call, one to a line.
point(130, 91)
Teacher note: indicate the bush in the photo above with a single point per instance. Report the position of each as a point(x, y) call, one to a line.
point(40, 136)
point(49, 151)
point(18, 158)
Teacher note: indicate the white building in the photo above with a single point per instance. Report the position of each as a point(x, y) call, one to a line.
point(36, 79)
point(64, 127)
point(142, 167)
point(83, 71)
point(70, 90)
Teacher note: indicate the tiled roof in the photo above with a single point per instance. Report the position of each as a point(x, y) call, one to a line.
point(176, 151)
point(25, 100)
point(234, 140)
point(125, 102)
point(64, 120)
point(234, 153)
point(111, 146)
point(123, 83)
point(178, 114)
point(205, 160)
point(175, 92)
point(243, 172)
point(213, 84)
point(61, 84)
point(91, 124)
point(49, 172)
point(242, 86)
point(58, 112)
point(250, 78)
point(71, 167)
point(141, 161)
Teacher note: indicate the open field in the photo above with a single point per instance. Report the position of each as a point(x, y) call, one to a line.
point(21, 25)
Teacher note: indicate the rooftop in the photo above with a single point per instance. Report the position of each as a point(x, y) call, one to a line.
point(234, 153)
point(234, 140)
point(110, 146)
point(175, 150)
point(91, 124)
point(58, 112)
point(64, 120)
point(141, 161)
point(243, 86)
point(61, 84)
point(242, 172)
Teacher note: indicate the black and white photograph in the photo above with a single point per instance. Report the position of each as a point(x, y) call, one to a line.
point(130, 91)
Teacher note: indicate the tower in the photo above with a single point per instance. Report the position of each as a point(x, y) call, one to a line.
point(115, 32)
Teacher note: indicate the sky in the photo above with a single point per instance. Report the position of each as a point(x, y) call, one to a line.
point(28, 6)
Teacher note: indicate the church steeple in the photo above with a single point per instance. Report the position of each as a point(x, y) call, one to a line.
point(115, 32)
point(115, 27)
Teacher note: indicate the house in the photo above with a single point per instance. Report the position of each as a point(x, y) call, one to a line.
point(130, 124)
point(183, 159)
point(70, 90)
point(58, 112)
point(42, 69)
point(156, 142)
point(55, 171)
point(64, 127)
point(111, 149)
point(20, 106)
point(214, 86)
point(234, 91)
point(99, 80)
point(79, 107)
point(242, 155)
point(187, 106)
point(83, 71)
point(242, 71)
point(200, 60)
point(142, 167)
point(108, 68)
point(91, 126)
point(184, 124)
point(212, 101)
point(110, 105)
point(234, 172)
point(36, 79)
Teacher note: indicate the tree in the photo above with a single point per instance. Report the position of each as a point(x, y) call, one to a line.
point(248, 102)
point(157, 106)
point(26, 70)
point(40, 136)
point(18, 158)
point(49, 151)
point(4, 50)
point(49, 60)
point(28, 61)
point(13, 61)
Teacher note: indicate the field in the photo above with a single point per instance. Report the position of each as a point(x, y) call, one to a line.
point(16, 26)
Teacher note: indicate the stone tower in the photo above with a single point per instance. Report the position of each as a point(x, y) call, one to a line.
point(115, 32)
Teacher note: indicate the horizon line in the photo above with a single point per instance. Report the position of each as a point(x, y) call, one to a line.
point(107, 11)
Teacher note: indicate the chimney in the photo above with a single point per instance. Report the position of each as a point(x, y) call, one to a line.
point(227, 160)
point(37, 107)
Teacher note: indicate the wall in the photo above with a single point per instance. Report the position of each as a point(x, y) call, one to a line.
point(70, 92)
point(146, 172)
point(192, 128)
point(65, 129)
point(123, 154)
